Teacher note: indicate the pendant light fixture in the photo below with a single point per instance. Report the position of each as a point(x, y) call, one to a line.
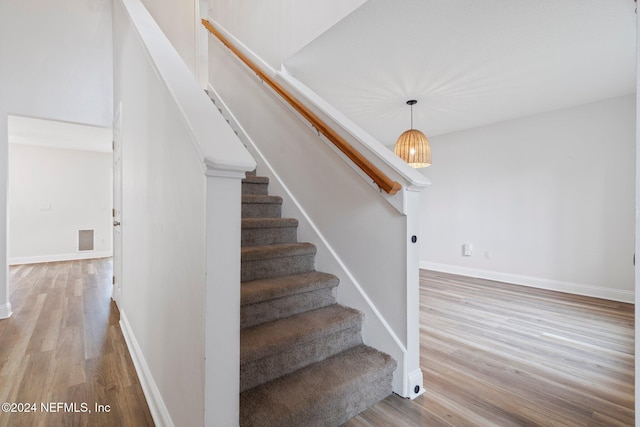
point(412, 146)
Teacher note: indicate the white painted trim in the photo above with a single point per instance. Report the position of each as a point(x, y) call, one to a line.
point(59, 257)
point(534, 282)
point(222, 303)
point(212, 139)
point(415, 379)
point(159, 412)
point(637, 231)
point(242, 48)
point(415, 179)
point(219, 171)
point(5, 310)
point(412, 371)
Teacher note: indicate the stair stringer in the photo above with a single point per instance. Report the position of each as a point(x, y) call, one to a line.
point(376, 330)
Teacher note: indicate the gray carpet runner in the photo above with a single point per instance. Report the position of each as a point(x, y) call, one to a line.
point(302, 360)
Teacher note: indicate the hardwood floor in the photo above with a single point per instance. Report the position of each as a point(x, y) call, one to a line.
point(63, 345)
point(495, 354)
point(492, 355)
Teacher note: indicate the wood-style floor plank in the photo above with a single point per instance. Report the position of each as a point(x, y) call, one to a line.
point(63, 344)
point(496, 354)
point(493, 354)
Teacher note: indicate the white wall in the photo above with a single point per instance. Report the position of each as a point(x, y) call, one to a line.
point(56, 64)
point(163, 235)
point(179, 22)
point(276, 29)
point(468, 63)
point(545, 200)
point(53, 193)
point(181, 172)
point(56, 60)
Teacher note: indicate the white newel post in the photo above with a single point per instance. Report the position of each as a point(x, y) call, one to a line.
point(222, 327)
point(413, 381)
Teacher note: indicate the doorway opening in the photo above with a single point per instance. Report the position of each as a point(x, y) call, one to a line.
point(60, 179)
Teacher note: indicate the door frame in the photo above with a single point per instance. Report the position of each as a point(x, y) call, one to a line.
point(116, 291)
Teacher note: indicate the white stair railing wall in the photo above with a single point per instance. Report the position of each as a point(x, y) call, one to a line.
point(364, 236)
point(181, 196)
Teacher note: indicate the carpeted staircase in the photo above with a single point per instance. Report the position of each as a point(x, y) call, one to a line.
point(302, 361)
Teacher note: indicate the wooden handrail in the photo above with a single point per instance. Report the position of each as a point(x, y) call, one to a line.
point(382, 180)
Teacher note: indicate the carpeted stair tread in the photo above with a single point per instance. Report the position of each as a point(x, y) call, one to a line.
point(271, 299)
point(264, 262)
point(256, 291)
point(253, 179)
point(268, 222)
point(327, 393)
point(279, 347)
point(302, 362)
point(273, 337)
point(253, 253)
point(261, 199)
point(268, 231)
point(260, 205)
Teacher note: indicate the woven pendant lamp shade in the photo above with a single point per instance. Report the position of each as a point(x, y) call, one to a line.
point(413, 147)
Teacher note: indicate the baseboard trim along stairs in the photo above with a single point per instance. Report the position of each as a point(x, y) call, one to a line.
point(302, 359)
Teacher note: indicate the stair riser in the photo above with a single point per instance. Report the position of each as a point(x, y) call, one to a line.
point(354, 399)
point(274, 267)
point(255, 188)
point(269, 236)
point(325, 394)
point(291, 358)
point(279, 308)
point(261, 210)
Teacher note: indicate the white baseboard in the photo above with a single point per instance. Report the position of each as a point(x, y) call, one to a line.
point(534, 282)
point(5, 310)
point(59, 257)
point(415, 381)
point(159, 412)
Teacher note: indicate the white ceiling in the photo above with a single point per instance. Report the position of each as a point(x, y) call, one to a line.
point(469, 62)
point(54, 134)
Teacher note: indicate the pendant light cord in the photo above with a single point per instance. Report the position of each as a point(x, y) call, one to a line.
point(411, 116)
point(411, 103)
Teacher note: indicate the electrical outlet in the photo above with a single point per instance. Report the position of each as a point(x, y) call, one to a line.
point(467, 250)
